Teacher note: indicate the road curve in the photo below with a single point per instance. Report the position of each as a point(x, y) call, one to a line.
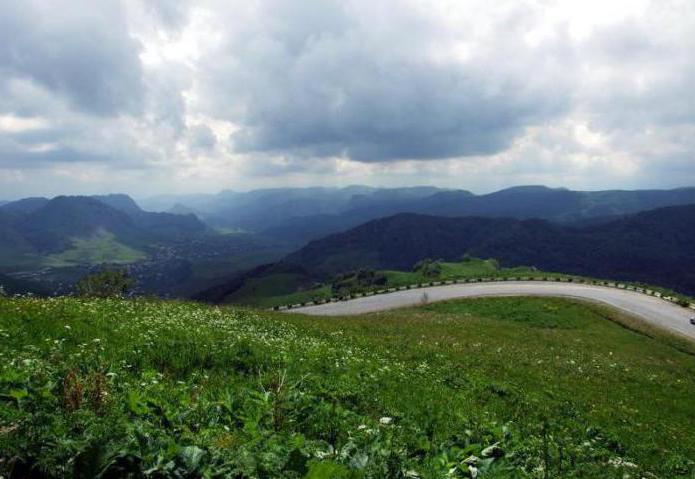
point(649, 308)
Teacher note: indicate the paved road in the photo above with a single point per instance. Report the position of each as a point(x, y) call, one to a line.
point(653, 310)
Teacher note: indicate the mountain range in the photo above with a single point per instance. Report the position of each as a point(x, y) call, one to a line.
point(298, 215)
point(639, 235)
point(653, 247)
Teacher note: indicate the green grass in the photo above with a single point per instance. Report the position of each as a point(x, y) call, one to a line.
point(298, 297)
point(172, 389)
point(257, 289)
point(100, 248)
point(473, 268)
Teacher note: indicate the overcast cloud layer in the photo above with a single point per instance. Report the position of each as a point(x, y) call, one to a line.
point(168, 95)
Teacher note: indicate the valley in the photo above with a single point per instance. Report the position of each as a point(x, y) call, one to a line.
point(51, 244)
point(241, 253)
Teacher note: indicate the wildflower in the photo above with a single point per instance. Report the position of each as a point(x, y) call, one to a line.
point(385, 421)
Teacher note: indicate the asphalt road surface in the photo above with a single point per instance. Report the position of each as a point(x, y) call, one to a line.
point(649, 308)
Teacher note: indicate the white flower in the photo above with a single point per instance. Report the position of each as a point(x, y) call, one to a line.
point(385, 421)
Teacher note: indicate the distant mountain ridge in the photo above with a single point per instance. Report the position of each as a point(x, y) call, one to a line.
point(299, 215)
point(261, 210)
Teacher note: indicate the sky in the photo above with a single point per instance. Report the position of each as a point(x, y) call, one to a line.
point(171, 96)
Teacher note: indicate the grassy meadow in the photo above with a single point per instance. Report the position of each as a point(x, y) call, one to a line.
point(100, 248)
point(491, 388)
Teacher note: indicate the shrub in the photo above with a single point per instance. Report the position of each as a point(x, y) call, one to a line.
point(683, 302)
point(104, 284)
point(357, 281)
point(428, 268)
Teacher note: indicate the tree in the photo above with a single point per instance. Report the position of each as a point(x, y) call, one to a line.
point(105, 284)
point(352, 282)
point(428, 268)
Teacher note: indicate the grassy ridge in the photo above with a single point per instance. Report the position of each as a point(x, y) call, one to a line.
point(532, 387)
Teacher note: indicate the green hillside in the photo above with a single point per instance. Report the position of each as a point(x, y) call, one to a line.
point(101, 247)
point(278, 288)
point(506, 387)
point(652, 247)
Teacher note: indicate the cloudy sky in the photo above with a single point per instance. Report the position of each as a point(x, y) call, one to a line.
point(152, 96)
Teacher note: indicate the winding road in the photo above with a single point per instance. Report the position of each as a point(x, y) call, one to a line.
point(651, 309)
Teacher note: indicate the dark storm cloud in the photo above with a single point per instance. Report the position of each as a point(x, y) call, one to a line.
point(79, 49)
point(419, 114)
point(355, 88)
